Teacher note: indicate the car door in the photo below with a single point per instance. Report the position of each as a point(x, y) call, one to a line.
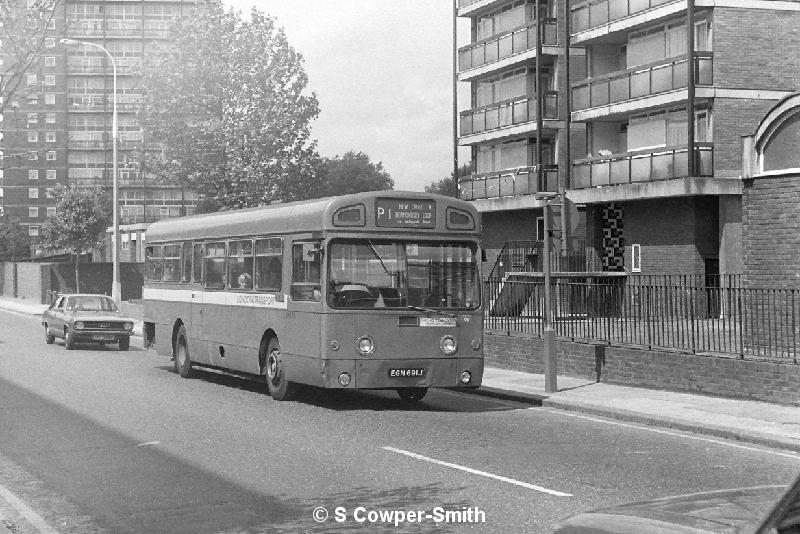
point(56, 320)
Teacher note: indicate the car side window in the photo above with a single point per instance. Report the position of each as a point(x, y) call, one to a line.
point(60, 304)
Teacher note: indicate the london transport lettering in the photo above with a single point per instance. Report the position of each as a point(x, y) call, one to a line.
point(404, 213)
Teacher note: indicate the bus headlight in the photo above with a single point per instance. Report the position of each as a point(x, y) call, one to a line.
point(476, 344)
point(466, 376)
point(344, 379)
point(365, 345)
point(334, 345)
point(79, 326)
point(448, 345)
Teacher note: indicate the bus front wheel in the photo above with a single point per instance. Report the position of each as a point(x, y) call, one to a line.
point(412, 394)
point(183, 363)
point(279, 388)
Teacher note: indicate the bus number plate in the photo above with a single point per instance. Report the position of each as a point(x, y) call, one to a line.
point(406, 373)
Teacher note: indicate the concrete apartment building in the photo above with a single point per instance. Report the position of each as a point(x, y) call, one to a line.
point(639, 108)
point(59, 130)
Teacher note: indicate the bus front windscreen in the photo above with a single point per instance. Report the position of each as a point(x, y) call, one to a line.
point(368, 273)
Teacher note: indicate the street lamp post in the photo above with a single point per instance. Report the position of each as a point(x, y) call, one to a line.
point(548, 333)
point(116, 287)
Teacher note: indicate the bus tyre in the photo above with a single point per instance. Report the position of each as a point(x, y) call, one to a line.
point(280, 389)
point(412, 394)
point(124, 343)
point(69, 339)
point(183, 363)
point(48, 337)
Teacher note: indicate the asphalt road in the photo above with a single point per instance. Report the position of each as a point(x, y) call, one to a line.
point(98, 440)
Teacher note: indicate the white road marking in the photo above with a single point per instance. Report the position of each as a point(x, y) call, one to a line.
point(145, 444)
point(553, 411)
point(480, 473)
point(25, 511)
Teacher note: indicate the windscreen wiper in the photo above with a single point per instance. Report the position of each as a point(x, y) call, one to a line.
point(431, 310)
point(377, 255)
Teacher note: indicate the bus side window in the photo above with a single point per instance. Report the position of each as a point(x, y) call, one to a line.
point(214, 266)
point(197, 263)
point(269, 264)
point(172, 263)
point(186, 258)
point(240, 264)
point(152, 263)
point(306, 261)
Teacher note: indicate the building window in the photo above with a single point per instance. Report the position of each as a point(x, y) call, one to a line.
point(1, 192)
point(33, 231)
point(49, 193)
point(33, 192)
point(33, 156)
point(50, 42)
point(50, 79)
point(51, 174)
point(50, 99)
point(50, 155)
point(31, 79)
point(33, 137)
point(51, 211)
point(33, 213)
point(49, 61)
point(51, 24)
point(33, 118)
point(50, 118)
point(50, 137)
point(33, 174)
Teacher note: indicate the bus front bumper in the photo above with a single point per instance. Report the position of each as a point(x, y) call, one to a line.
point(392, 374)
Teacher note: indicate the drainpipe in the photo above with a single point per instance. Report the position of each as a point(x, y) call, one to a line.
point(690, 85)
point(539, 107)
point(455, 96)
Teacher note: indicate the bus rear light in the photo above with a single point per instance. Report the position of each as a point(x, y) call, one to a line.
point(466, 376)
point(448, 345)
point(344, 379)
point(334, 345)
point(476, 344)
point(365, 345)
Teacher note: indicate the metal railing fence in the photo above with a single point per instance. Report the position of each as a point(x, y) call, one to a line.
point(692, 314)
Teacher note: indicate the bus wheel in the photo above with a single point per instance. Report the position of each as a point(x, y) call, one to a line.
point(412, 394)
point(183, 364)
point(279, 388)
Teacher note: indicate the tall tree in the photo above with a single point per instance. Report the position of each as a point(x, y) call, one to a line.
point(227, 103)
point(352, 173)
point(447, 186)
point(14, 241)
point(80, 222)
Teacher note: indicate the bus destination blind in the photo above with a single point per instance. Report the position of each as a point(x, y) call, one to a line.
point(398, 213)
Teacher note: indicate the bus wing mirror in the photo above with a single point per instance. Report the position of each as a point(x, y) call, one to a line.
point(483, 255)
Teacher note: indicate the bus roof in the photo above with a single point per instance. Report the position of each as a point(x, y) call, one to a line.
point(301, 216)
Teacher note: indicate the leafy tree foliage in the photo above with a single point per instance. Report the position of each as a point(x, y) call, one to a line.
point(352, 173)
point(447, 186)
point(226, 102)
point(80, 222)
point(14, 241)
point(23, 34)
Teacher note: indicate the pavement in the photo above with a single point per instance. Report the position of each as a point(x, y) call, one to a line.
point(755, 422)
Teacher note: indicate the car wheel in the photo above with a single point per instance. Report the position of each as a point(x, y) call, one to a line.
point(412, 394)
point(280, 389)
point(124, 342)
point(69, 339)
point(182, 361)
point(48, 337)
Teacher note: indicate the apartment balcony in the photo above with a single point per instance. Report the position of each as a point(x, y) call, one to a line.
point(505, 49)
point(102, 103)
point(642, 166)
point(504, 118)
point(125, 67)
point(629, 90)
point(594, 19)
point(469, 7)
point(507, 183)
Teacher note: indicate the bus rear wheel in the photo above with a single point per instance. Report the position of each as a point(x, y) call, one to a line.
point(280, 389)
point(412, 394)
point(183, 363)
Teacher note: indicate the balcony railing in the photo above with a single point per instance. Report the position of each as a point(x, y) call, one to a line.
point(505, 45)
point(598, 12)
point(511, 182)
point(124, 67)
point(642, 166)
point(464, 3)
point(644, 80)
point(507, 113)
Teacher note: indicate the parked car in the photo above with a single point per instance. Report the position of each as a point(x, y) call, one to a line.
point(758, 510)
point(86, 318)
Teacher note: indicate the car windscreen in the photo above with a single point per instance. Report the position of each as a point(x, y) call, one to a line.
point(368, 273)
point(91, 303)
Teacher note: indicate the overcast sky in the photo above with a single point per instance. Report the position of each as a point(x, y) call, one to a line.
point(382, 71)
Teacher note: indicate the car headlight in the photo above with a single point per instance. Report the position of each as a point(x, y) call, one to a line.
point(79, 326)
point(128, 326)
point(448, 345)
point(365, 345)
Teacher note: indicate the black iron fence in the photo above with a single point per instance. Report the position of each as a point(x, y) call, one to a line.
point(691, 313)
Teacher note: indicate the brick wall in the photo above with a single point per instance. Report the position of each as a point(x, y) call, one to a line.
point(734, 118)
point(757, 380)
